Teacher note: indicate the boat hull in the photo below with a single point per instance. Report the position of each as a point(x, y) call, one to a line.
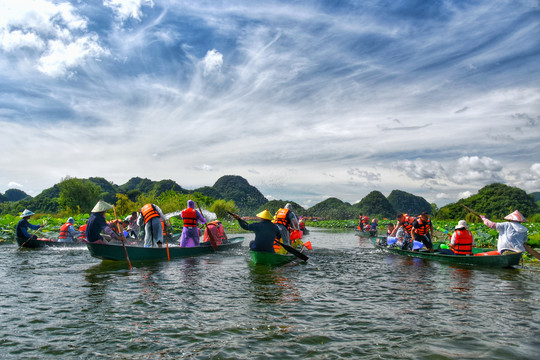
point(268, 258)
point(42, 242)
point(116, 252)
point(499, 261)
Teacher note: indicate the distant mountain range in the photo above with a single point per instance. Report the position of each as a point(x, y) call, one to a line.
point(249, 200)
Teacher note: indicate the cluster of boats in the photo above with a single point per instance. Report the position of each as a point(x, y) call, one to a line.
point(135, 252)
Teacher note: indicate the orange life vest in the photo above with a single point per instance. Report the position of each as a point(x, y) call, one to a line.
point(281, 217)
point(365, 219)
point(149, 212)
point(407, 223)
point(164, 228)
point(424, 227)
point(64, 230)
point(189, 216)
point(463, 243)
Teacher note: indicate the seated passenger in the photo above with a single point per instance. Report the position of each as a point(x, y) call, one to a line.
point(461, 242)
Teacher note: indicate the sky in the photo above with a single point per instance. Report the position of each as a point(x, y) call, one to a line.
point(304, 99)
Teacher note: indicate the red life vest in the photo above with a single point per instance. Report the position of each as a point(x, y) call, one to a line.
point(463, 243)
point(82, 229)
point(189, 216)
point(149, 212)
point(365, 219)
point(281, 217)
point(64, 230)
point(424, 227)
point(216, 228)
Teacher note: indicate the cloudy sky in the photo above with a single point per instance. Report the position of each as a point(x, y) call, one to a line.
point(305, 99)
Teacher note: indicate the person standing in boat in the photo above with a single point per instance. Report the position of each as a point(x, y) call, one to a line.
point(190, 232)
point(286, 221)
point(23, 225)
point(97, 224)
point(266, 232)
point(68, 232)
point(150, 217)
point(462, 240)
point(422, 229)
point(512, 234)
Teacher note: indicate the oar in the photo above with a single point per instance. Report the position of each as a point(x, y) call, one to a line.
point(210, 235)
point(34, 233)
point(121, 237)
point(527, 247)
point(293, 251)
point(167, 243)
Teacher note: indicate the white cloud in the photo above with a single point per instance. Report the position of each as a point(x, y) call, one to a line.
point(212, 62)
point(125, 9)
point(464, 195)
point(13, 184)
point(61, 57)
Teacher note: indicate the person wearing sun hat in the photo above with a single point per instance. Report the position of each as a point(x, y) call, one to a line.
point(462, 241)
point(97, 224)
point(23, 225)
point(512, 234)
point(265, 231)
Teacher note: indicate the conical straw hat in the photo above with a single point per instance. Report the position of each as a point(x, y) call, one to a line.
point(265, 215)
point(515, 216)
point(101, 206)
point(26, 213)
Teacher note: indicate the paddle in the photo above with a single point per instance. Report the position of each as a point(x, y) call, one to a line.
point(34, 233)
point(167, 243)
point(121, 237)
point(293, 251)
point(210, 235)
point(527, 247)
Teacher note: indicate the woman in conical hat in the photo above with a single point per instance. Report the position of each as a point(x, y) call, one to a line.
point(512, 235)
point(97, 224)
point(23, 225)
point(265, 232)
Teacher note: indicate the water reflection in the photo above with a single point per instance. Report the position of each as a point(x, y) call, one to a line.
point(271, 285)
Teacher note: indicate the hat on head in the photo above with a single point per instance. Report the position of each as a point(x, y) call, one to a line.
point(288, 207)
point(71, 220)
point(462, 224)
point(101, 206)
point(191, 204)
point(26, 213)
point(265, 215)
point(515, 216)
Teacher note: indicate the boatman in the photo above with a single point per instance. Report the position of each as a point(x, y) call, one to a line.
point(23, 225)
point(512, 235)
point(265, 231)
point(190, 231)
point(151, 217)
point(97, 224)
point(286, 221)
point(68, 232)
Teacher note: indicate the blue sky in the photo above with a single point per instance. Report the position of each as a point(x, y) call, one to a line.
point(306, 100)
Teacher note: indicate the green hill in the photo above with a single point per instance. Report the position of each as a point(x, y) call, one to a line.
point(375, 204)
point(495, 201)
point(333, 208)
point(406, 203)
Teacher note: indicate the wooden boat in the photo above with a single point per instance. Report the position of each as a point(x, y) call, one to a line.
point(268, 258)
point(43, 242)
point(500, 261)
point(139, 253)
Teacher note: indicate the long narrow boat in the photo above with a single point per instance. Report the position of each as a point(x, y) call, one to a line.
point(116, 252)
point(268, 258)
point(43, 242)
point(499, 261)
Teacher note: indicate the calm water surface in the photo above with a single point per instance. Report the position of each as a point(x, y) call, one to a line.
point(348, 301)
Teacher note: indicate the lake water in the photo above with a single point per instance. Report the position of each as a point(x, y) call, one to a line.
point(348, 301)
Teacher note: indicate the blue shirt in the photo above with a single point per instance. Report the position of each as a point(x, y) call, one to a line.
point(265, 234)
point(22, 227)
